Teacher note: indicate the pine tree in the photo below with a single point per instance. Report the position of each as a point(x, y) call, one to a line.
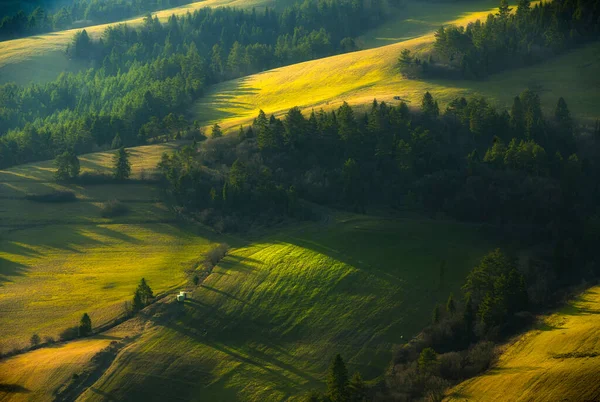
point(358, 389)
point(216, 131)
point(450, 305)
point(337, 381)
point(122, 167)
point(406, 59)
point(429, 107)
point(85, 325)
point(145, 291)
point(137, 304)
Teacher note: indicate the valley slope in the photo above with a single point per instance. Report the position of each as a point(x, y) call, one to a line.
point(559, 360)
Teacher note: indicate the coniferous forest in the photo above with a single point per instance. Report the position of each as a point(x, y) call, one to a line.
point(172, 227)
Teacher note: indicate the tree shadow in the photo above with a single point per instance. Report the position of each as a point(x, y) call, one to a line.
point(13, 389)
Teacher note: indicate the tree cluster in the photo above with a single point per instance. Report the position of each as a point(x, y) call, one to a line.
point(507, 40)
point(142, 78)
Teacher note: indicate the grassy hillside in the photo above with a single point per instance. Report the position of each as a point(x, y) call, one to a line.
point(266, 323)
point(60, 260)
point(42, 58)
point(33, 376)
point(361, 76)
point(558, 361)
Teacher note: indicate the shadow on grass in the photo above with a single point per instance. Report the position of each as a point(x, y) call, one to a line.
point(13, 389)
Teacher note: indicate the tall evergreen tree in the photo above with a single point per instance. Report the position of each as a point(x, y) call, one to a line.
point(85, 325)
point(122, 167)
point(337, 381)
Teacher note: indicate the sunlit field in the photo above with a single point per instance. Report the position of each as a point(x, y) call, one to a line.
point(58, 260)
point(559, 360)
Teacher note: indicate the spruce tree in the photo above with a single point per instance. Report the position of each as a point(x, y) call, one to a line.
point(137, 304)
point(216, 131)
point(337, 381)
point(85, 325)
point(122, 167)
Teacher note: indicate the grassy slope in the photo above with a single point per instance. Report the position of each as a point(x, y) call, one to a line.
point(361, 76)
point(266, 323)
point(548, 363)
point(42, 58)
point(60, 260)
point(34, 375)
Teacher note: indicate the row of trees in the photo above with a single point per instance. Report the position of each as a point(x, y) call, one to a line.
point(142, 78)
point(507, 40)
point(47, 19)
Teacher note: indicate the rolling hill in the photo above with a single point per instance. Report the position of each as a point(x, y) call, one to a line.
point(560, 360)
point(265, 324)
point(42, 58)
point(359, 77)
point(262, 325)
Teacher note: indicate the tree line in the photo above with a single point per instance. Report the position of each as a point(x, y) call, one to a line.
point(46, 19)
point(142, 78)
point(507, 40)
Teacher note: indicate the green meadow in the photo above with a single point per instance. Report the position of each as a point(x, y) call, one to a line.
point(265, 324)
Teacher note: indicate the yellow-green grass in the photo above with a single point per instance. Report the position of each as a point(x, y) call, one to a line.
point(42, 58)
point(265, 324)
point(359, 77)
point(559, 361)
point(58, 260)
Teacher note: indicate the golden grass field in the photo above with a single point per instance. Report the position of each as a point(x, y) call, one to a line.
point(34, 375)
point(60, 260)
point(559, 361)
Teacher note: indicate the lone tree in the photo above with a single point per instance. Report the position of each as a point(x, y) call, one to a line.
point(337, 381)
point(67, 166)
point(122, 167)
point(85, 325)
point(142, 296)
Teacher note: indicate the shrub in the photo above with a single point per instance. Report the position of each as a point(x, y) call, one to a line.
point(35, 340)
point(480, 357)
point(113, 208)
point(451, 366)
point(216, 254)
point(69, 334)
point(54, 197)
